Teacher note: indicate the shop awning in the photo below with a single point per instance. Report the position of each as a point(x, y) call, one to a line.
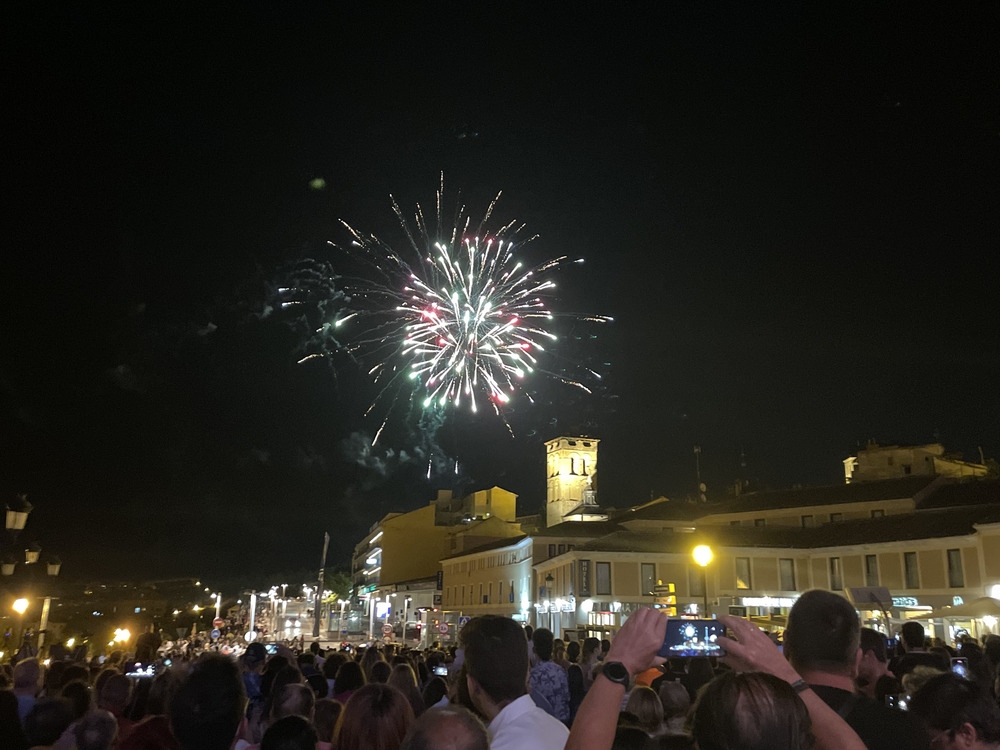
point(984, 606)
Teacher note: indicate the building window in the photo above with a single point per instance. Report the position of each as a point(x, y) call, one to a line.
point(871, 570)
point(511, 598)
point(836, 517)
point(956, 578)
point(734, 523)
point(836, 578)
point(648, 578)
point(743, 573)
point(603, 578)
point(911, 571)
point(481, 597)
point(807, 521)
point(561, 548)
point(463, 594)
point(878, 514)
point(759, 522)
point(552, 550)
point(489, 597)
point(786, 573)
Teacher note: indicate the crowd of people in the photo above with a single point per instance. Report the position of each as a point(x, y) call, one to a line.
point(506, 687)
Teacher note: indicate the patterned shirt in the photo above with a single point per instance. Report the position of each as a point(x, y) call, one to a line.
point(549, 679)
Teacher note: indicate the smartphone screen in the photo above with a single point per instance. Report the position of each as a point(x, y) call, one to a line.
point(692, 638)
point(960, 666)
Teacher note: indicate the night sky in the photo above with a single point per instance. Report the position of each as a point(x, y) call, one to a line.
point(791, 213)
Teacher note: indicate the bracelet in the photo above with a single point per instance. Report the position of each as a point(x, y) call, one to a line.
point(799, 685)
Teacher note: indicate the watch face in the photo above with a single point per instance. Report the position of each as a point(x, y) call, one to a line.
point(616, 672)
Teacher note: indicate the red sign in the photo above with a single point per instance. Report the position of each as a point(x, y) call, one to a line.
point(443, 627)
point(218, 622)
point(387, 629)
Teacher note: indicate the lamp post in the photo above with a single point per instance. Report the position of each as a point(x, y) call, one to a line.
point(549, 580)
point(703, 556)
point(406, 606)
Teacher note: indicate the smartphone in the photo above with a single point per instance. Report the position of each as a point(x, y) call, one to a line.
point(271, 648)
point(443, 671)
point(692, 638)
point(960, 666)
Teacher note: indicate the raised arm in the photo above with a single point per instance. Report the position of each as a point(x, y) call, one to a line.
point(635, 646)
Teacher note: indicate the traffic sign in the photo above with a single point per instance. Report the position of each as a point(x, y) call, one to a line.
point(215, 634)
point(442, 627)
point(387, 628)
point(218, 622)
point(462, 621)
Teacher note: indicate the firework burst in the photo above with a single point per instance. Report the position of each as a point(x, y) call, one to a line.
point(459, 316)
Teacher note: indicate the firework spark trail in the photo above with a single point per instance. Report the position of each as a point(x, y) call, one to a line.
point(459, 316)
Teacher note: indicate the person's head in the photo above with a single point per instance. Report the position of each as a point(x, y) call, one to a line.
point(750, 711)
point(919, 676)
point(47, 720)
point(289, 733)
point(957, 712)
point(74, 672)
point(447, 728)
point(558, 649)
point(644, 704)
point(496, 661)
point(823, 634)
point(912, 635)
point(314, 648)
point(543, 641)
point(115, 694)
point(78, 696)
point(27, 676)
point(379, 672)
point(874, 657)
point(293, 700)
point(350, 676)
point(573, 651)
point(325, 715)
point(254, 657)
point(674, 699)
point(435, 689)
point(591, 646)
point(207, 705)
point(96, 731)
point(332, 664)
point(375, 717)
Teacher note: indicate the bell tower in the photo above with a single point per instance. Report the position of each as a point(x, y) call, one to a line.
point(571, 466)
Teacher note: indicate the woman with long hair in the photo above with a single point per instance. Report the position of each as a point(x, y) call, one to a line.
point(376, 717)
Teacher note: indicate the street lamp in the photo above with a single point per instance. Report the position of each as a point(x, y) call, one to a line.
point(703, 556)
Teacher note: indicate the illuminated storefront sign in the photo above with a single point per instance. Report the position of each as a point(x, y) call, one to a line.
point(767, 601)
point(905, 601)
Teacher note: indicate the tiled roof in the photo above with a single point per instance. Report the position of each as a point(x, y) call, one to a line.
point(955, 494)
point(579, 529)
point(497, 544)
point(835, 494)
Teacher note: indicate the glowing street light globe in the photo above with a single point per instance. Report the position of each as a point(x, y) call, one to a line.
point(20, 606)
point(702, 554)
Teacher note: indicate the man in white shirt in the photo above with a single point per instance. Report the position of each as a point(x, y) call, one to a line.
point(496, 666)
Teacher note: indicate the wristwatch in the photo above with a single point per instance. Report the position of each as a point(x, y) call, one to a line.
point(616, 672)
